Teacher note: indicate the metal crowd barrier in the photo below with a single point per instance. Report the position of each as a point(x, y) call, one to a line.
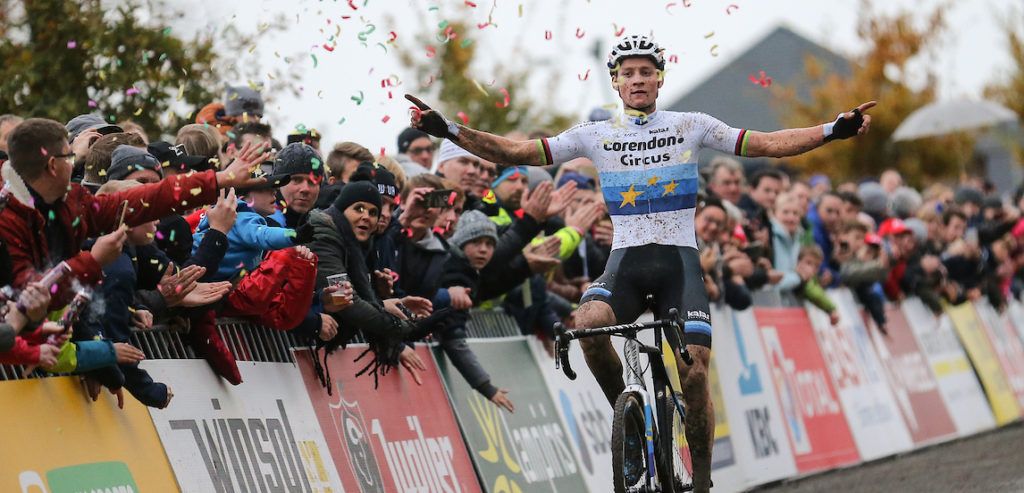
point(251, 342)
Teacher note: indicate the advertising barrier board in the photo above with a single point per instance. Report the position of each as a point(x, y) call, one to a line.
point(912, 381)
point(259, 436)
point(869, 406)
point(523, 452)
point(979, 349)
point(1006, 345)
point(584, 410)
point(74, 444)
point(759, 440)
point(819, 435)
point(397, 437)
point(957, 383)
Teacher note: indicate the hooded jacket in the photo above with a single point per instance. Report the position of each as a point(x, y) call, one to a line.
point(248, 240)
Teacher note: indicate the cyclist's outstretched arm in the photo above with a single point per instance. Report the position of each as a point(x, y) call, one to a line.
point(795, 141)
point(488, 146)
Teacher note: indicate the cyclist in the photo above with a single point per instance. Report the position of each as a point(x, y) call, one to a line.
point(647, 162)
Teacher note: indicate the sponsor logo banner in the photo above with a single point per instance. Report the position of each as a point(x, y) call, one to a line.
point(259, 436)
point(912, 381)
point(869, 406)
point(527, 451)
point(1007, 347)
point(76, 445)
point(761, 446)
point(397, 437)
point(584, 410)
point(818, 433)
point(972, 335)
point(957, 383)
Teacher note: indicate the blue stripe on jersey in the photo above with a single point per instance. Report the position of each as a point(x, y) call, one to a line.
point(678, 172)
point(698, 327)
point(663, 196)
point(598, 291)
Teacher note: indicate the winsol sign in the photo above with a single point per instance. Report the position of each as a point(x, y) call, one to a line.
point(818, 433)
point(259, 436)
point(875, 421)
point(399, 437)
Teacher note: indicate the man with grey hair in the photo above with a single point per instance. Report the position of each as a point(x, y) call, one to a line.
point(904, 202)
point(726, 179)
point(7, 122)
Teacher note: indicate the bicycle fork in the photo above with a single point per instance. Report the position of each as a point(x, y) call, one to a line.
point(635, 383)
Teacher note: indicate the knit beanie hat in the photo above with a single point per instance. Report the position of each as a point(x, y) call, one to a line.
point(904, 202)
point(583, 182)
point(407, 136)
point(451, 151)
point(508, 173)
point(378, 175)
point(968, 194)
point(919, 228)
point(239, 100)
point(472, 225)
point(298, 159)
point(357, 191)
point(874, 198)
point(127, 159)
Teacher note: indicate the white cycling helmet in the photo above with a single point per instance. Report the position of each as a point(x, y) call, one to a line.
point(636, 45)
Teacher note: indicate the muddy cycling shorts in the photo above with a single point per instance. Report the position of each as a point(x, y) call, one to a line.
point(672, 275)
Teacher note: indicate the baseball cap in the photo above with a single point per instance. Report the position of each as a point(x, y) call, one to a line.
point(81, 123)
point(174, 156)
point(892, 226)
point(127, 159)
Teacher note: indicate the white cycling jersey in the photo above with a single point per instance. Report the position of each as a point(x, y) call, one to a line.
point(648, 170)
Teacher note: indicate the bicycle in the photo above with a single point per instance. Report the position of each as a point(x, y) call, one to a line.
point(636, 436)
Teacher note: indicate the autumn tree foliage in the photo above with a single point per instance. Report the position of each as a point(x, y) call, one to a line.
point(881, 73)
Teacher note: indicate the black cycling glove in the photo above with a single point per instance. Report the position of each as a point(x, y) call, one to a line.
point(844, 128)
point(433, 122)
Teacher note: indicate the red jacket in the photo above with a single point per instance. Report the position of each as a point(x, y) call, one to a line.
point(83, 216)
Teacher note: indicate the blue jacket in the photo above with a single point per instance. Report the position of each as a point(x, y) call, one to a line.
point(248, 240)
point(824, 240)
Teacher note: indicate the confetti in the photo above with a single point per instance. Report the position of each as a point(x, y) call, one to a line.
point(75, 222)
point(131, 91)
point(72, 44)
point(669, 6)
point(673, 59)
point(763, 81)
point(618, 32)
point(393, 36)
point(196, 191)
point(314, 60)
point(471, 4)
point(580, 33)
point(359, 99)
point(181, 91)
point(466, 43)
point(166, 31)
point(431, 81)
point(92, 103)
point(729, 9)
point(708, 35)
point(481, 26)
point(385, 119)
point(463, 117)
point(328, 48)
point(341, 121)
point(431, 52)
point(547, 35)
point(43, 150)
point(714, 50)
point(584, 76)
point(503, 104)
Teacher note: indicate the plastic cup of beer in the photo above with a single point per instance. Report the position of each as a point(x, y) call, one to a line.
point(337, 296)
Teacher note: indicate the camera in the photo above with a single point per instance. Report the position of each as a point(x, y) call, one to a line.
point(438, 199)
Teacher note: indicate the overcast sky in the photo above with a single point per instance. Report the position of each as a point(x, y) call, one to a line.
point(973, 52)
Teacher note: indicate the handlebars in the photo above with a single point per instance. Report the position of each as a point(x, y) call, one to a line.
point(563, 337)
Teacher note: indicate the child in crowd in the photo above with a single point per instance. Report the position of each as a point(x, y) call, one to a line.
point(472, 246)
point(808, 263)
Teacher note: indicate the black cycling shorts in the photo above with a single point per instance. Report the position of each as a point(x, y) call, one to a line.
point(671, 274)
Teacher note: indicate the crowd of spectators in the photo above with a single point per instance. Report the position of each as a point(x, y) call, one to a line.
point(227, 222)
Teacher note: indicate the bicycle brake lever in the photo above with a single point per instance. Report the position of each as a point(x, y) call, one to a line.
point(562, 352)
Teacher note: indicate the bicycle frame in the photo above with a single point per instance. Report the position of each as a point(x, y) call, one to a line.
point(634, 372)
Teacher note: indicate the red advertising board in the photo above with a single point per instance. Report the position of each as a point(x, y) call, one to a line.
point(817, 428)
point(910, 376)
point(397, 437)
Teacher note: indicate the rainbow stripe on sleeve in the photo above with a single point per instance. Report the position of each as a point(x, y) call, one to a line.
point(741, 143)
point(545, 152)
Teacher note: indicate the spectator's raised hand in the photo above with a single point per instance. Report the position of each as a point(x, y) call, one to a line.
point(80, 146)
point(304, 253)
point(543, 257)
point(537, 203)
point(238, 174)
point(142, 319)
point(420, 307)
point(603, 232)
point(414, 205)
point(383, 283)
point(222, 216)
point(460, 297)
point(412, 362)
point(501, 399)
point(206, 293)
point(176, 286)
point(328, 327)
point(48, 355)
point(561, 198)
point(585, 217)
point(108, 247)
point(35, 299)
point(56, 330)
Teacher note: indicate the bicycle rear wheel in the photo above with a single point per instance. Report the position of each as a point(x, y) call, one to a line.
point(629, 444)
point(674, 473)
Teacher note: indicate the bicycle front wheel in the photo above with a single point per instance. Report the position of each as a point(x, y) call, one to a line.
point(674, 472)
point(629, 444)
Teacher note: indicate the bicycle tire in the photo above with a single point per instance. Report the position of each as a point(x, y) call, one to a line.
point(629, 444)
point(674, 474)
